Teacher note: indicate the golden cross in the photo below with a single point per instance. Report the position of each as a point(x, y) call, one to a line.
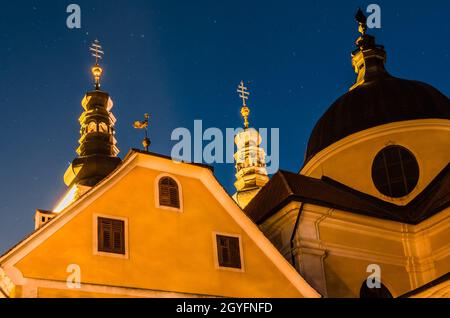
point(96, 50)
point(243, 93)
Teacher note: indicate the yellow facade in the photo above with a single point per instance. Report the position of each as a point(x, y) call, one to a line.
point(333, 248)
point(168, 253)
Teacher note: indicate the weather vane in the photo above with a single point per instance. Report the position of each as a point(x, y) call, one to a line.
point(244, 94)
point(362, 20)
point(97, 52)
point(144, 125)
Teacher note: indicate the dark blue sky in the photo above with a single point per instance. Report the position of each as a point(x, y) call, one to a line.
point(181, 61)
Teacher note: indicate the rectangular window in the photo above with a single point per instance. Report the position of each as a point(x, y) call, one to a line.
point(111, 236)
point(228, 251)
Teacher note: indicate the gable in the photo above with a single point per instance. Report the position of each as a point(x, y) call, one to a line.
point(166, 250)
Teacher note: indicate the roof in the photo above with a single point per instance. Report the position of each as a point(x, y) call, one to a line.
point(437, 281)
point(133, 150)
point(93, 189)
point(153, 161)
point(386, 100)
point(286, 187)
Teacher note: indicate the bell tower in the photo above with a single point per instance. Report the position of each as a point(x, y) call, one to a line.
point(97, 153)
point(251, 173)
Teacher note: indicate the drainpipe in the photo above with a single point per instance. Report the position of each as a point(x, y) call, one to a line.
point(294, 232)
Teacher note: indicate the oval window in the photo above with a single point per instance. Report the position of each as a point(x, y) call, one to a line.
point(395, 171)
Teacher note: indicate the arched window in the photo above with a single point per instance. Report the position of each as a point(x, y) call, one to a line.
point(367, 292)
point(169, 195)
point(103, 128)
point(92, 127)
point(395, 171)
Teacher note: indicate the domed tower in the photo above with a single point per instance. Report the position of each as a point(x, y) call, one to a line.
point(387, 137)
point(97, 153)
point(251, 173)
point(373, 195)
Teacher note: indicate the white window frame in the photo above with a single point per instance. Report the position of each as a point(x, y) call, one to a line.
point(180, 193)
point(216, 252)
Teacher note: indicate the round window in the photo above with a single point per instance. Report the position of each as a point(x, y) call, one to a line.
point(395, 171)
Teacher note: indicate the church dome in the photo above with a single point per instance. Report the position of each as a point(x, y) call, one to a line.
point(384, 100)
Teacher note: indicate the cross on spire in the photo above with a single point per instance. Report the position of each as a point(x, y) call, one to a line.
point(97, 71)
point(243, 93)
point(97, 51)
point(245, 111)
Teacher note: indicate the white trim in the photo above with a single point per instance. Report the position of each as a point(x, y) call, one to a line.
point(6, 284)
point(216, 252)
point(110, 290)
point(29, 291)
point(15, 275)
point(95, 250)
point(180, 193)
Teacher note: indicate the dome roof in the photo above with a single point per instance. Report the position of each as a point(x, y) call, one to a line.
point(385, 100)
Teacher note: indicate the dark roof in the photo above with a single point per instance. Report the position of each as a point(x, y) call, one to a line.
point(380, 102)
point(429, 285)
point(45, 211)
point(286, 187)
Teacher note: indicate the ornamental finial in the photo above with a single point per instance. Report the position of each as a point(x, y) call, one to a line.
point(97, 71)
point(144, 125)
point(245, 111)
point(362, 21)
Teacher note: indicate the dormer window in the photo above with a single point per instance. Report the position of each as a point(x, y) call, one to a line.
point(169, 195)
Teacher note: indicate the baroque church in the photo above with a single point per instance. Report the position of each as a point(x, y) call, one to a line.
point(366, 216)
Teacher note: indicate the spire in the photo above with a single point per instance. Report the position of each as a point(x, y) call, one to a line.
point(362, 21)
point(245, 111)
point(97, 153)
point(251, 173)
point(97, 71)
point(369, 58)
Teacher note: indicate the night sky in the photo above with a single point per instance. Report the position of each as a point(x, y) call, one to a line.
point(181, 61)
